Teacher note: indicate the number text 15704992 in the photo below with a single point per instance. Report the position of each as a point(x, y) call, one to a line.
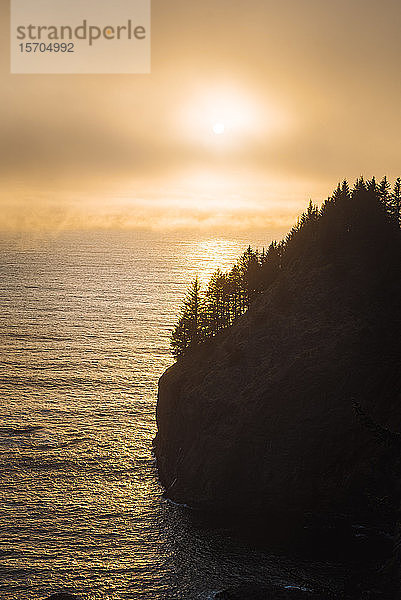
point(43, 47)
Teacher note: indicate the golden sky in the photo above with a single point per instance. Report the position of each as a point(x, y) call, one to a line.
point(307, 91)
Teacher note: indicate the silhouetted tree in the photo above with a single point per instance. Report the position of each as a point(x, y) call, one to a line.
point(270, 266)
point(349, 222)
point(217, 303)
point(384, 190)
point(235, 289)
point(190, 326)
point(248, 266)
point(395, 202)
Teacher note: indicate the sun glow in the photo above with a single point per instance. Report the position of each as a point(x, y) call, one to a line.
point(219, 128)
point(225, 116)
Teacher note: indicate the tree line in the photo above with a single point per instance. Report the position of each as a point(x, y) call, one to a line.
point(369, 210)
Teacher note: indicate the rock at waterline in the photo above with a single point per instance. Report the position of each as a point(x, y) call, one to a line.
point(291, 410)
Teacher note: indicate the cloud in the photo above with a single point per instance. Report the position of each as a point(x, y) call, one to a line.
point(330, 69)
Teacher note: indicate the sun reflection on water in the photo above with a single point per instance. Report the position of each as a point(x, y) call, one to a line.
point(86, 328)
point(207, 256)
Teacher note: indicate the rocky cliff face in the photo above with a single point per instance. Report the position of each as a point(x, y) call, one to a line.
point(277, 415)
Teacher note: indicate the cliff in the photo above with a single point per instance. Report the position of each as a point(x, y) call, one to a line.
point(281, 414)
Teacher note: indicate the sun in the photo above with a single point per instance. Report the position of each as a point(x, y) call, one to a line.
point(224, 118)
point(219, 128)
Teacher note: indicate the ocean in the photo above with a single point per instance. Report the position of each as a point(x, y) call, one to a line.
point(84, 335)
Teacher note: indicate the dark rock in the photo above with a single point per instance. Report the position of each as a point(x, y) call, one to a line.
point(282, 414)
point(392, 569)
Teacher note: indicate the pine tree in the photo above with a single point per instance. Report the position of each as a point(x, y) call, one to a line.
point(248, 266)
point(371, 185)
point(384, 191)
point(217, 303)
point(189, 329)
point(345, 191)
point(347, 223)
point(271, 265)
point(395, 202)
point(236, 292)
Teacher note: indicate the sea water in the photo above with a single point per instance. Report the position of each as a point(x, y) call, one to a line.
point(84, 336)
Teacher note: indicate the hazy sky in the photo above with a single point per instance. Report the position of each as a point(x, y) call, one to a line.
point(308, 92)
